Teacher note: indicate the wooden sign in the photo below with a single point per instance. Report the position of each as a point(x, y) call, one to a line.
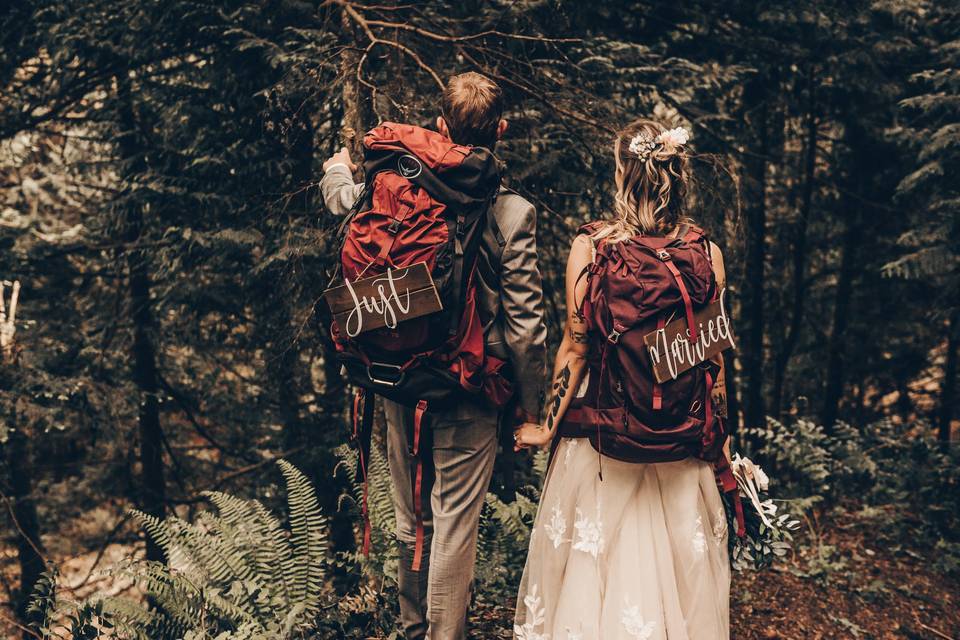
point(384, 300)
point(670, 349)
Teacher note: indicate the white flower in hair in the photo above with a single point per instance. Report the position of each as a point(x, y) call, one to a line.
point(642, 145)
point(674, 137)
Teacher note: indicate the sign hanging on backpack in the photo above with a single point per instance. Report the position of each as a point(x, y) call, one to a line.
point(383, 300)
point(672, 353)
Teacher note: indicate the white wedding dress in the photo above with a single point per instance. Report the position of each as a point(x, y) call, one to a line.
point(641, 554)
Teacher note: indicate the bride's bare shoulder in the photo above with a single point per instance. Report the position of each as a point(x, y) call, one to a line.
point(716, 257)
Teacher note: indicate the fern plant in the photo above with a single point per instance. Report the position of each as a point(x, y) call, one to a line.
point(238, 574)
point(383, 558)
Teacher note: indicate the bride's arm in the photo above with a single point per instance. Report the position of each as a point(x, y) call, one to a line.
point(571, 360)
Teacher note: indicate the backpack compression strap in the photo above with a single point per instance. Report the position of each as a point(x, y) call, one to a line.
point(664, 256)
point(362, 435)
point(418, 485)
point(657, 389)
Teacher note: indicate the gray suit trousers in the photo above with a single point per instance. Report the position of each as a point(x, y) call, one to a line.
point(463, 444)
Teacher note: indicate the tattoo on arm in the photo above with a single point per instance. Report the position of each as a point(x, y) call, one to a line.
point(560, 387)
point(578, 336)
point(720, 395)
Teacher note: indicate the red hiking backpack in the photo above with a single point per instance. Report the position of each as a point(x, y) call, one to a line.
point(426, 199)
point(635, 287)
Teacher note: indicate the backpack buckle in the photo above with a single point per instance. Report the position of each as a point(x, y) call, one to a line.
point(663, 254)
point(614, 336)
point(394, 227)
point(383, 373)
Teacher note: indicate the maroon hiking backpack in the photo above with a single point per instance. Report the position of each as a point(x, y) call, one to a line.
point(635, 287)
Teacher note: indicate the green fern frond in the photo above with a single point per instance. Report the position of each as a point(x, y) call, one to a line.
point(233, 573)
point(541, 461)
point(927, 174)
point(927, 261)
point(379, 486)
point(43, 600)
point(130, 618)
point(308, 537)
point(155, 529)
point(261, 540)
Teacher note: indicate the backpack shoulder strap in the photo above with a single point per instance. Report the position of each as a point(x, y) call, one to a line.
point(590, 228)
point(693, 234)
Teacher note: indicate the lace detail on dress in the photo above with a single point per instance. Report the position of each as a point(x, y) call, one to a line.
point(572, 444)
point(535, 615)
point(720, 527)
point(556, 527)
point(699, 539)
point(633, 622)
point(589, 535)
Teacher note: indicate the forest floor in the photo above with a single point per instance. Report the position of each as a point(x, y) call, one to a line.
point(858, 576)
point(857, 573)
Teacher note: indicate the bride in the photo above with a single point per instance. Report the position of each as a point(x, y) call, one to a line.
point(630, 539)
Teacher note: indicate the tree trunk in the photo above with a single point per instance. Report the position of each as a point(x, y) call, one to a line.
point(26, 525)
point(153, 499)
point(799, 254)
point(357, 106)
point(841, 311)
point(948, 390)
point(152, 485)
point(755, 166)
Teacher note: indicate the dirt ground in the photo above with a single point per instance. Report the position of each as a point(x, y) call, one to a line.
point(855, 575)
point(860, 581)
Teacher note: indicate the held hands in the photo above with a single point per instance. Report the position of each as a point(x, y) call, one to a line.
point(340, 157)
point(530, 434)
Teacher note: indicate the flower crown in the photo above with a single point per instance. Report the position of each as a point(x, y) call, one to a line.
point(642, 145)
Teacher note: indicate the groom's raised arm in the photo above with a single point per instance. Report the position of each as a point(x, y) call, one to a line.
point(521, 301)
point(339, 190)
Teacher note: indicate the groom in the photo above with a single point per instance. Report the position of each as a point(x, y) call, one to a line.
point(433, 601)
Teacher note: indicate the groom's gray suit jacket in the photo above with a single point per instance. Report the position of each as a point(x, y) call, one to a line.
point(511, 287)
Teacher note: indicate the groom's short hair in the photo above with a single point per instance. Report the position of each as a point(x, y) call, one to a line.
point(472, 107)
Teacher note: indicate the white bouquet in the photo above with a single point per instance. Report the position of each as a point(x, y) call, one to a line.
point(767, 535)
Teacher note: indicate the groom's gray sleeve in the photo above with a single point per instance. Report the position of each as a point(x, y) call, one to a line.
point(521, 301)
point(338, 189)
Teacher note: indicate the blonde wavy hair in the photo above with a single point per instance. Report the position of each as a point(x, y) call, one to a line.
point(651, 185)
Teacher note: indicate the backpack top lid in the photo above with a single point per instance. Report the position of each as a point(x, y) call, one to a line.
point(451, 173)
point(635, 283)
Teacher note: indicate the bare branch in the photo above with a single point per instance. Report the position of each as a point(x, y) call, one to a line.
point(365, 25)
point(432, 35)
